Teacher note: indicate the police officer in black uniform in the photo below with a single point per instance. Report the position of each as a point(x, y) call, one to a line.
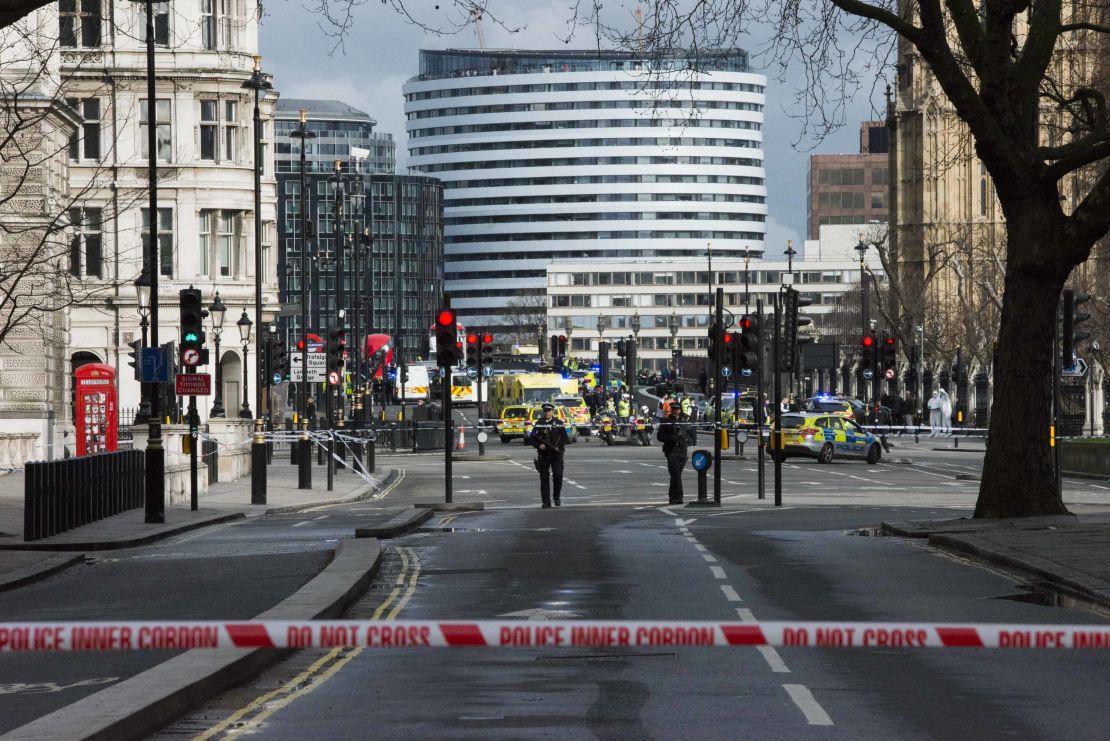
point(549, 437)
point(673, 437)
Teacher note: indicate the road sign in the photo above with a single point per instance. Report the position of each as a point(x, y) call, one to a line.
point(193, 384)
point(482, 437)
point(190, 356)
point(1078, 370)
point(487, 371)
point(471, 372)
point(726, 371)
point(868, 374)
point(889, 373)
point(156, 366)
point(317, 366)
point(701, 459)
point(333, 378)
point(745, 372)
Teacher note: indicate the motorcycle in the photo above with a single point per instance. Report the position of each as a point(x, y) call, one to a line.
point(642, 427)
point(605, 427)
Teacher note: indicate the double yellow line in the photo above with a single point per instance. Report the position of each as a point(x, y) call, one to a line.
point(324, 668)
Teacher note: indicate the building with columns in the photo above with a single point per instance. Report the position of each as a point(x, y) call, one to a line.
point(205, 226)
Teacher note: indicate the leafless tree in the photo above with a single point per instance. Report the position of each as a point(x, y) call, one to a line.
point(525, 320)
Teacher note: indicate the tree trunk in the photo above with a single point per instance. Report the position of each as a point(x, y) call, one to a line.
point(1018, 478)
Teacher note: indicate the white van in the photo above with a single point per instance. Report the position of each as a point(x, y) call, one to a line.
point(417, 386)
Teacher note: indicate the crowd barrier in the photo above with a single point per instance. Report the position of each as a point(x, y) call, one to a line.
point(64, 494)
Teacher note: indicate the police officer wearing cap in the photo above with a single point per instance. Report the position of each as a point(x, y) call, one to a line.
point(549, 437)
point(673, 437)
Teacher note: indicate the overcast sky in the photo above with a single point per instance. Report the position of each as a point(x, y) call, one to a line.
point(383, 52)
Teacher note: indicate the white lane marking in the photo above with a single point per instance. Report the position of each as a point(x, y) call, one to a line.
point(1096, 486)
point(683, 523)
point(807, 703)
point(699, 546)
point(730, 593)
point(302, 523)
point(709, 558)
point(580, 486)
point(718, 572)
point(322, 517)
point(745, 615)
point(778, 666)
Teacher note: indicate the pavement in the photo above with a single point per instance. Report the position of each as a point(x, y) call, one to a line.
point(23, 563)
point(1068, 555)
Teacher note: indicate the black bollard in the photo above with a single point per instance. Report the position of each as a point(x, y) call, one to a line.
point(304, 473)
point(30, 500)
point(259, 454)
point(370, 464)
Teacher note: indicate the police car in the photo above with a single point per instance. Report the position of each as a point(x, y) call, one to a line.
point(825, 437)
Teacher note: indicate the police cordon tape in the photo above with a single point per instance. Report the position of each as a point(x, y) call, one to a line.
point(186, 635)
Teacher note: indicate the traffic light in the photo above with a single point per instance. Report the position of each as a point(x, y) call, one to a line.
point(1072, 320)
point(192, 328)
point(620, 348)
point(728, 349)
point(282, 352)
point(562, 346)
point(485, 350)
point(472, 351)
point(446, 338)
point(136, 361)
point(603, 362)
point(630, 359)
point(714, 341)
point(275, 360)
point(890, 356)
point(336, 346)
point(554, 344)
point(867, 353)
point(792, 301)
point(747, 350)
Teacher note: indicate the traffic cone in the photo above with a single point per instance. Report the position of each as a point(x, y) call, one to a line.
point(462, 439)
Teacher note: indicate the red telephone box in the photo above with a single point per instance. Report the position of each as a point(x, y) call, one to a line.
point(96, 409)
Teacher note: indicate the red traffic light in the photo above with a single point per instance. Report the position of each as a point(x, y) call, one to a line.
point(728, 338)
point(890, 341)
point(745, 323)
point(471, 339)
point(868, 341)
point(487, 338)
point(445, 318)
point(562, 338)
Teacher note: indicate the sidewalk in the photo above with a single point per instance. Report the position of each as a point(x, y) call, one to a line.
point(21, 563)
point(1068, 554)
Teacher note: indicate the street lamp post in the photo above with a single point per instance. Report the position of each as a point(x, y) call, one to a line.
point(635, 344)
point(244, 325)
point(306, 233)
point(865, 297)
point(217, 311)
point(142, 291)
point(258, 83)
point(335, 395)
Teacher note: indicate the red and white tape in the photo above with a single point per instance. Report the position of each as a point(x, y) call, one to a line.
point(143, 636)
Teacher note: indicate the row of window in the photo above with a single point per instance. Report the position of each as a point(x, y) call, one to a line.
point(576, 236)
point(723, 252)
point(219, 130)
point(851, 199)
point(669, 300)
point(610, 179)
point(589, 162)
point(606, 198)
point(607, 216)
point(219, 236)
point(611, 123)
point(585, 105)
point(80, 23)
point(852, 175)
point(560, 87)
point(572, 143)
point(688, 278)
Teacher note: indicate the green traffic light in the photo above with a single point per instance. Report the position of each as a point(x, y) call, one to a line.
point(191, 337)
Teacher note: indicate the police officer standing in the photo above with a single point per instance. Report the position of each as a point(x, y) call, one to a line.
point(549, 438)
point(673, 438)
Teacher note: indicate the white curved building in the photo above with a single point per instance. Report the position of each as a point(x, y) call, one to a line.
point(583, 154)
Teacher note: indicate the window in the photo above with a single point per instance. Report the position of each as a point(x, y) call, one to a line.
point(79, 23)
point(231, 130)
point(161, 12)
point(208, 24)
point(163, 128)
point(228, 253)
point(878, 199)
point(85, 142)
point(165, 238)
point(209, 128)
point(204, 244)
point(86, 245)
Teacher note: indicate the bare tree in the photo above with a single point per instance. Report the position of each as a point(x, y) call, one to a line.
point(525, 320)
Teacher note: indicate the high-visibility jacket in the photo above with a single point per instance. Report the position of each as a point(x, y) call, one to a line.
point(686, 406)
point(624, 408)
point(667, 407)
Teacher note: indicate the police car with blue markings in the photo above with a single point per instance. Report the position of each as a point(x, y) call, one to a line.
point(825, 437)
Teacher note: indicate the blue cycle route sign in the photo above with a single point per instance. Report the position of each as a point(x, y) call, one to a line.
point(156, 365)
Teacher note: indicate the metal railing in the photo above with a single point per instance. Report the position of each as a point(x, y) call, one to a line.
point(61, 495)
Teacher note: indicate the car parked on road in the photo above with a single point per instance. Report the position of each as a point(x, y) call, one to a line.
point(825, 437)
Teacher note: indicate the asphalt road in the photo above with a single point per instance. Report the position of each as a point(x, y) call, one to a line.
point(614, 551)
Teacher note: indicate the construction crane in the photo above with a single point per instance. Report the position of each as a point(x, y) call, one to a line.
point(476, 19)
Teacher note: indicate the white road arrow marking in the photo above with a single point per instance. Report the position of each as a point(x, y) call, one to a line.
point(540, 613)
point(683, 523)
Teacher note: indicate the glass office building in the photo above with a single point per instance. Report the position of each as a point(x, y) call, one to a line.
point(584, 154)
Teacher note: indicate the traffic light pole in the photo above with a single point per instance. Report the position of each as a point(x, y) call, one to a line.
point(776, 430)
point(759, 396)
point(479, 379)
point(447, 436)
point(718, 341)
point(1057, 362)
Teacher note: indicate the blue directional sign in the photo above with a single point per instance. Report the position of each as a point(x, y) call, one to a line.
point(868, 374)
point(487, 371)
point(726, 371)
point(156, 366)
point(745, 372)
point(701, 459)
point(471, 372)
